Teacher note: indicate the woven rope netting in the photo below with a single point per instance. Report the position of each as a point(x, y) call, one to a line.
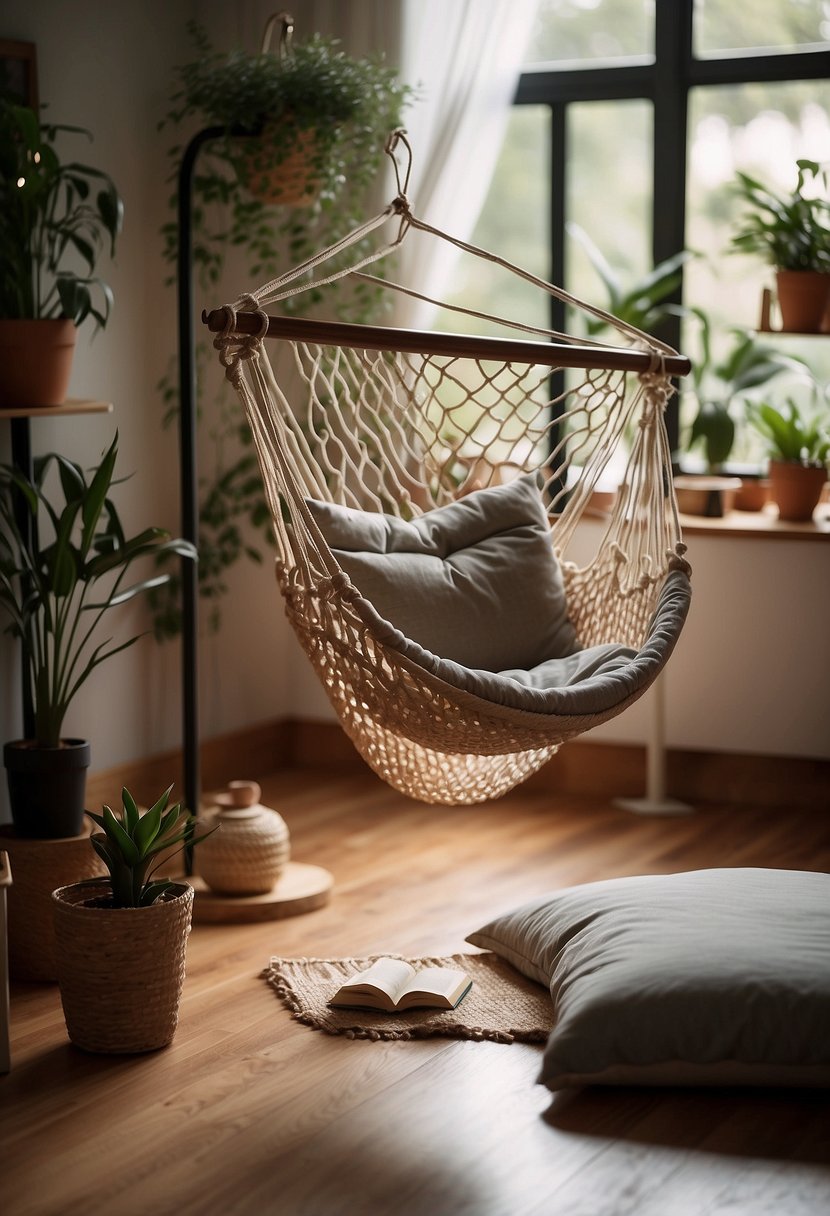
point(401, 422)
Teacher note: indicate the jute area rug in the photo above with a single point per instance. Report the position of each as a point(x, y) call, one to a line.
point(502, 1006)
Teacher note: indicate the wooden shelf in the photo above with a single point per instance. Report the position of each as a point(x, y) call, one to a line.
point(72, 405)
point(763, 525)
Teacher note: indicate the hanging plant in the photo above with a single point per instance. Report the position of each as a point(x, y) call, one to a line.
point(309, 101)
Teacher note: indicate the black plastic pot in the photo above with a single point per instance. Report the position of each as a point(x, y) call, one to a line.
point(47, 787)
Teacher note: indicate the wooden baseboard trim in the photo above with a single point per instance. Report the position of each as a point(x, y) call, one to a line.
point(262, 748)
point(596, 770)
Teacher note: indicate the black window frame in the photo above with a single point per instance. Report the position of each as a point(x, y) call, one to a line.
point(666, 82)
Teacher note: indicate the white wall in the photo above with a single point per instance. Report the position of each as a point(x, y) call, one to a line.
point(750, 673)
point(108, 67)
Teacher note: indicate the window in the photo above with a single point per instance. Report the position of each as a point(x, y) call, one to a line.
point(630, 121)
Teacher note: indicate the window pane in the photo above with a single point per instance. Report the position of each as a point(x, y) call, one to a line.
point(761, 129)
point(609, 192)
point(513, 224)
point(579, 30)
point(724, 25)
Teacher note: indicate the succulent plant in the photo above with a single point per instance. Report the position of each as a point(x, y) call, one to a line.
point(130, 843)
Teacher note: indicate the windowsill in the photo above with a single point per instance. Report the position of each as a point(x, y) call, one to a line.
point(763, 525)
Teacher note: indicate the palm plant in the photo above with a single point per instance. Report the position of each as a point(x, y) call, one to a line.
point(57, 591)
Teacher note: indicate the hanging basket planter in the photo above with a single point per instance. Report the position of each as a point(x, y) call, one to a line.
point(281, 169)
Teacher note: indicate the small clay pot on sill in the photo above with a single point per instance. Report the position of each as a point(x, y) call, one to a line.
point(709, 496)
point(803, 300)
point(753, 495)
point(796, 488)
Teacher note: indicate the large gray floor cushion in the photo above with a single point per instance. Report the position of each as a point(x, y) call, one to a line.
point(713, 977)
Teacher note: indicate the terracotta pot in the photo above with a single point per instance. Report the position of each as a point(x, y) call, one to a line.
point(38, 867)
point(705, 495)
point(274, 177)
point(120, 970)
point(796, 488)
point(35, 362)
point(753, 494)
point(803, 300)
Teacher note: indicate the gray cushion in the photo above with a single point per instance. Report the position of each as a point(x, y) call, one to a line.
point(708, 977)
point(598, 680)
point(475, 582)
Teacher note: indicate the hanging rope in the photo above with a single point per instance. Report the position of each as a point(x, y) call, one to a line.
point(399, 423)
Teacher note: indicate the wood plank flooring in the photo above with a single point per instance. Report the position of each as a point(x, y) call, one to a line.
point(249, 1112)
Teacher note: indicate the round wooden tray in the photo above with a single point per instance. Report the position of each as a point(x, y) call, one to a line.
point(301, 888)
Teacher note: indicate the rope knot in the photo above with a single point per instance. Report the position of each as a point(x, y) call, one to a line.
point(677, 561)
point(233, 346)
point(339, 585)
point(400, 205)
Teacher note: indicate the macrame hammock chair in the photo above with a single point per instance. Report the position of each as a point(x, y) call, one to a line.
point(388, 434)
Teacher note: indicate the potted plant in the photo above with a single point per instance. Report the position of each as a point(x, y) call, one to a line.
point(63, 564)
point(54, 215)
point(717, 389)
point(799, 446)
point(353, 103)
point(792, 233)
point(300, 123)
point(121, 941)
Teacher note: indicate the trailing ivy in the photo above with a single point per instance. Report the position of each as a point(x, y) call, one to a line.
point(355, 104)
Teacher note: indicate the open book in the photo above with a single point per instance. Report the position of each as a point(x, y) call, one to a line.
point(391, 984)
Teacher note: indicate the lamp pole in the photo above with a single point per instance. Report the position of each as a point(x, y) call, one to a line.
point(189, 487)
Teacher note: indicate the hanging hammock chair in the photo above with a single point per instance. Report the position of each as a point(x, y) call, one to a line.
point(427, 491)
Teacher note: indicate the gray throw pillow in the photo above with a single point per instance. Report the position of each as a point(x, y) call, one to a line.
point(713, 977)
point(475, 582)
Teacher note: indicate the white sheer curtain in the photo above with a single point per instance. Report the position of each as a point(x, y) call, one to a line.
point(465, 57)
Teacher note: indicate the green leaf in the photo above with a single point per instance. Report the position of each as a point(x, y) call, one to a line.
point(153, 891)
point(71, 478)
point(131, 814)
point(99, 844)
point(147, 830)
point(123, 844)
point(96, 496)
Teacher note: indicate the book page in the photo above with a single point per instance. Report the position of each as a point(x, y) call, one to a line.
point(443, 981)
point(389, 975)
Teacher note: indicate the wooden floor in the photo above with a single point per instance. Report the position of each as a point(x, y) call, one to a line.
point(250, 1112)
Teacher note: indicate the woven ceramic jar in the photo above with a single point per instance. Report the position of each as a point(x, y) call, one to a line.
point(251, 848)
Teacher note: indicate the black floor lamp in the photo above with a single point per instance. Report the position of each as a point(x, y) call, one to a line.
point(189, 490)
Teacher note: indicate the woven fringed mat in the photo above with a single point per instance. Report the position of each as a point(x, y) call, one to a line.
point(502, 1006)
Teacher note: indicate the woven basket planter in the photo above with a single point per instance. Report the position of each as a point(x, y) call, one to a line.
point(120, 970)
point(38, 867)
point(275, 173)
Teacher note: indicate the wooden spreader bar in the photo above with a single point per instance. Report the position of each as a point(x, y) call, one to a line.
point(411, 341)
